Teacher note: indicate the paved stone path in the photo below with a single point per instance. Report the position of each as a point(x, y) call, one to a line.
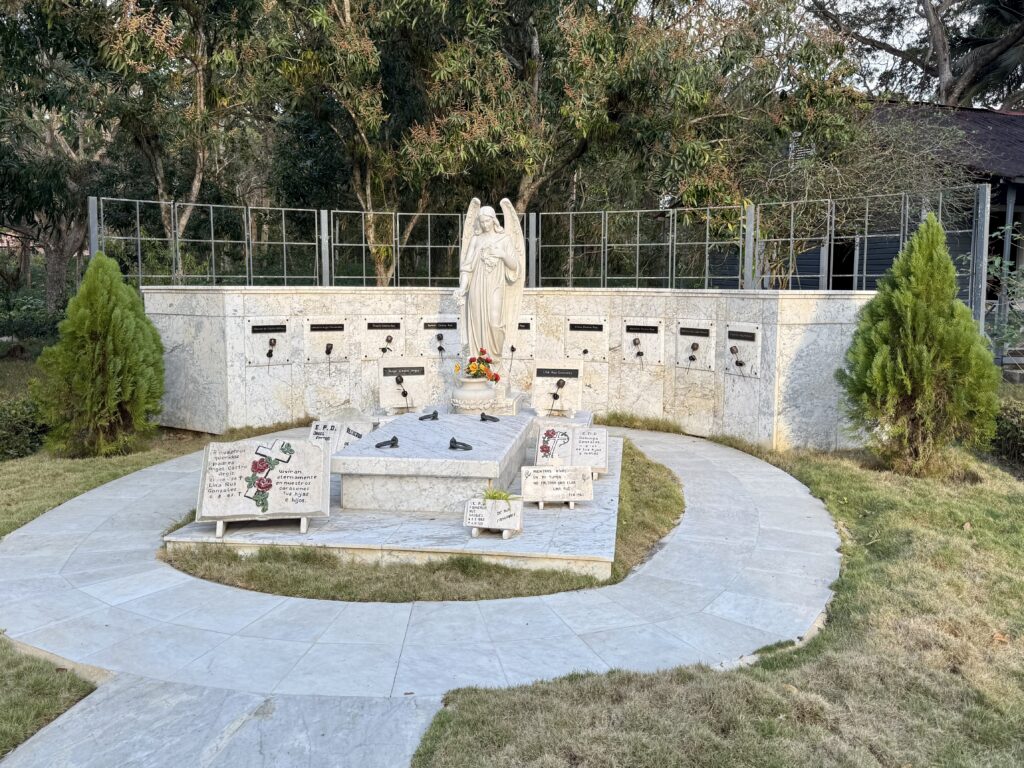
point(215, 676)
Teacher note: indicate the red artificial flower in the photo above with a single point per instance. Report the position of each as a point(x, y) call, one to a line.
point(488, 360)
point(483, 351)
point(260, 466)
point(264, 484)
point(472, 359)
point(497, 377)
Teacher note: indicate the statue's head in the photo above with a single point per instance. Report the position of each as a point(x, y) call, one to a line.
point(487, 220)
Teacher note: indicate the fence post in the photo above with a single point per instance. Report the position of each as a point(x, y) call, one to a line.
point(325, 249)
point(531, 238)
point(979, 253)
point(94, 227)
point(748, 256)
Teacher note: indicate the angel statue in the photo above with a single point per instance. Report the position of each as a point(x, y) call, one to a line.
point(492, 270)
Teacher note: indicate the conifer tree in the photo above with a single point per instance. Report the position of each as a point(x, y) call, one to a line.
point(919, 375)
point(102, 381)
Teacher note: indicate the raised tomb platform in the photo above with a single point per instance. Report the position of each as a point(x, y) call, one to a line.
point(405, 504)
point(423, 474)
point(757, 365)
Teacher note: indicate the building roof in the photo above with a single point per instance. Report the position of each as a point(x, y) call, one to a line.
point(993, 139)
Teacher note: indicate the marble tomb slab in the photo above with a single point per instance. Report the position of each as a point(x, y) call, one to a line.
point(423, 473)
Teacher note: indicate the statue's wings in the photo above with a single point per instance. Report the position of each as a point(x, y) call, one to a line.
point(514, 297)
point(468, 228)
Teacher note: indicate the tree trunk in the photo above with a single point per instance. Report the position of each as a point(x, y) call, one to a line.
point(56, 276)
point(58, 251)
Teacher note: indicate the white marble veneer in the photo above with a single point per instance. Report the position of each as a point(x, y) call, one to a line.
point(793, 400)
point(423, 473)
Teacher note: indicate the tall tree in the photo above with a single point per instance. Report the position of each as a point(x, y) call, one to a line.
point(56, 135)
point(192, 73)
point(960, 52)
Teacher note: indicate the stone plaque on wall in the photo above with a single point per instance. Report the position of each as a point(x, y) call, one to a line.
point(525, 344)
point(743, 350)
point(545, 485)
point(586, 338)
point(643, 341)
point(695, 345)
point(433, 336)
point(557, 390)
point(326, 339)
point(268, 341)
point(381, 336)
point(268, 479)
point(408, 383)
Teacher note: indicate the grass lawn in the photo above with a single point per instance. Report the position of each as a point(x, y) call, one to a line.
point(650, 503)
point(32, 693)
point(36, 484)
point(921, 662)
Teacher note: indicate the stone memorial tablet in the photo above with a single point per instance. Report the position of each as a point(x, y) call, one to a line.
point(410, 383)
point(554, 446)
point(556, 485)
point(327, 433)
point(268, 479)
point(494, 515)
point(557, 390)
point(590, 449)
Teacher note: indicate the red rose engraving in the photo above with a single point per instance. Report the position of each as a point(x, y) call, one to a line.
point(264, 484)
point(549, 433)
point(260, 466)
point(545, 449)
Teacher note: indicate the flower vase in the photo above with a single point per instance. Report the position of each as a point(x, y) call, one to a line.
point(473, 394)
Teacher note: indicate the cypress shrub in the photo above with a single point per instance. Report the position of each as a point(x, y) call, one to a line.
point(101, 383)
point(919, 375)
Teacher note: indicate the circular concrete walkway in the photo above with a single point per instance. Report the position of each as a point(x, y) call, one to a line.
point(234, 677)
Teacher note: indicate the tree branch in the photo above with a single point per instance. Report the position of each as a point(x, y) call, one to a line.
point(834, 20)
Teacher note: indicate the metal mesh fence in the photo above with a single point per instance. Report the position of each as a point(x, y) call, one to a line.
point(828, 244)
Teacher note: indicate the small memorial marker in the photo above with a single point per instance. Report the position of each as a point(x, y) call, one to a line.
point(557, 484)
point(327, 433)
point(264, 480)
point(554, 447)
point(495, 515)
point(590, 449)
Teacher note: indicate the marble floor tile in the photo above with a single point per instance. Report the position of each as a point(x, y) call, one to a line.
point(344, 669)
point(432, 670)
point(527, 660)
point(374, 623)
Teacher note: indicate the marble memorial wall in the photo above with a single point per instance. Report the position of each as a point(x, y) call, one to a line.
point(255, 356)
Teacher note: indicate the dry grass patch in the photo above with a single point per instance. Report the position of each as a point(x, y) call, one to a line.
point(921, 661)
point(650, 503)
point(32, 693)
